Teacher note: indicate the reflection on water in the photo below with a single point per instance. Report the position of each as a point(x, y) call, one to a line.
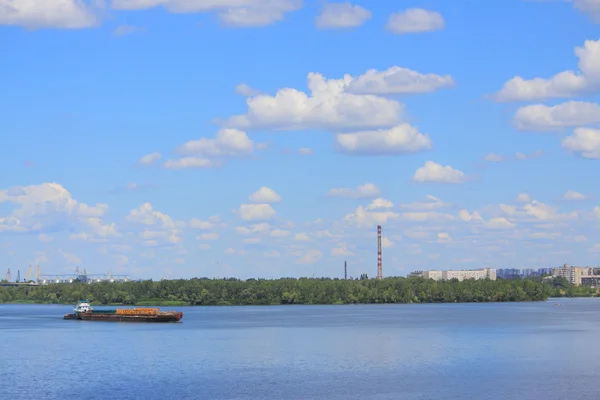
point(435, 351)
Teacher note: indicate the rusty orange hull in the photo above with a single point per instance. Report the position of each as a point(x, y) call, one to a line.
point(158, 317)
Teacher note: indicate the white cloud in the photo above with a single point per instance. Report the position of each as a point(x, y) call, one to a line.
point(401, 139)
point(246, 90)
point(590, 7)
point(146, 215)
point(342, 15)
point(328, 106)
point(379, 203)
point(227, 143)
point(36, 14)
point(124, 30)
point(48, 206)
point(265, 195)
point(499, 223)
point(415, 20)
point(597, 212)
point(70, 257)
point(436, 173)
point(45, 238)
point(341, 249)
point(160, 229)
point(572, 195)
point(256, 212)
point(204, 246)
point(150, 159)
point(197, 223)
point(468, 217)
point(302, 237)
point(232, 13)
point(540, 117)
point(492, 157)
point(190, 162)
point(430, 203)
point(584, 141)
point(363, 218)
point(208, 236)
point(362, 191)
point(386, 243)
point(310, 257)
point(563, 84)
point(272, 254)
point(305, 151)
point(426, 216)
point(523, 198)
point(280, 233)
point(398, 80)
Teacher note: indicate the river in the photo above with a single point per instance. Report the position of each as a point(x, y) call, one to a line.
point(542, 350)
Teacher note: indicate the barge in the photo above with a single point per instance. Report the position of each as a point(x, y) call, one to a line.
point(83, 311)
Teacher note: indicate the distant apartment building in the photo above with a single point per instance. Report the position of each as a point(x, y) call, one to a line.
point(577, 275)
point(461, 275)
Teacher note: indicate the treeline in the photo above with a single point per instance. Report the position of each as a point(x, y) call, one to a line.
point(204, 291)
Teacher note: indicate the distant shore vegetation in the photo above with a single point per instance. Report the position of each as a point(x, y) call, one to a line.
point(231, 291)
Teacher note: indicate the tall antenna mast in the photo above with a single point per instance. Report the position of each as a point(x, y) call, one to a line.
point(379, 266)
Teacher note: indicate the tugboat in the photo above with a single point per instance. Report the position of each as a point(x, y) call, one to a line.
point(81, 307)
point(83, 311)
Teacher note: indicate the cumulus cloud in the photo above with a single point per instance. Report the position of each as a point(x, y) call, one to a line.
point(231, 13)
point(563, 84)
point(197, 223)
point(50, 206)
point(310, 257)
point(572, 195)
point(590, 7)
point(150, 159)
point(190, 162)
point(280, 233)
point(499, 223)
point(227, 143)
point(36, 14)
point(380, 203)
point(256, 212)
point(246, 90)
point(430, 203)
point(328, 106)
point(305, 151)
point(342, 15)
point(362, 191)
point(265, 195)
point(208, 236)
point(401, 139)
point(436, 173)
point(470, 217)
point(415, 20)
point(124, 30)
point(365, 218)
point(541, 117)
point(159, 229)
point(584, 142)
point(493, 157)
point(350, 103)
point(397, 80)
point(208, 153)
point(341, 249)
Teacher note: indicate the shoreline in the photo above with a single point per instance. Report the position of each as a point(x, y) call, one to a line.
point(184, 304)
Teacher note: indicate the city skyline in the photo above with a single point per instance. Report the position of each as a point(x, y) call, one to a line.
point(192, 138)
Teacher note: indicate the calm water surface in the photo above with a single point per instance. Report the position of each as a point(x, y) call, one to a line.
point(518, 351)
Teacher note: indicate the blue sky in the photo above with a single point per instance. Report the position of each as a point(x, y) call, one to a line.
point(135, 133)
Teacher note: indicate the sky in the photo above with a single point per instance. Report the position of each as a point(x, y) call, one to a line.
point(269, 138)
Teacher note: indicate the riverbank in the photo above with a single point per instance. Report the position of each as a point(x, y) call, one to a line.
point(223, 292)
